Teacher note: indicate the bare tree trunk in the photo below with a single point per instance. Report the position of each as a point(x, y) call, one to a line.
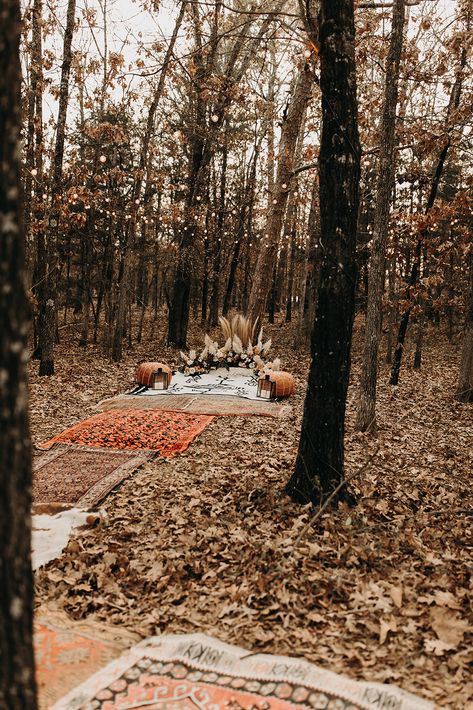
point(366, 416)
point(129, 252)
point(289, 134)
point(453, 104)
point(218, 240)
point(48, 322)
point(35, 161)
point(200, 150)
point(464, 391)
point(17, 678)
point(311, 274)
point(319, 465)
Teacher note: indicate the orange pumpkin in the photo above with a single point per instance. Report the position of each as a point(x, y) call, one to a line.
point(154, 374)
point(276, 384)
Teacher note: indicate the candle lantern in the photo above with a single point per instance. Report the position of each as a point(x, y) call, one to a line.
point(160, 379)
point(276, 384)
point(266, 387)
point(154, 375)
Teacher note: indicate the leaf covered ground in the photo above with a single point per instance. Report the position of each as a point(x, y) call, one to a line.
point(208, 542)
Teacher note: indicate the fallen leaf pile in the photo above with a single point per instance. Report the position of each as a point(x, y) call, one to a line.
point(207, 541)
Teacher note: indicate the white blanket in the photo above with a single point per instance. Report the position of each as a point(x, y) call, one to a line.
point(236, 382)
point(51, 533)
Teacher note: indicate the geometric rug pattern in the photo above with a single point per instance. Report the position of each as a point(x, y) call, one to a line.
point(161, 432)
point(80, 477)
point(68, 652)
point(195, 671)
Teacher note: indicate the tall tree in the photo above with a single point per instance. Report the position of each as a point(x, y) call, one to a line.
point(453, 104)
point(464, 391)
point(48, 306)
point(319, 463)
point(207, 118)
point(124, 283)
point(278, 199)
point(17, 682)
point(366, 417)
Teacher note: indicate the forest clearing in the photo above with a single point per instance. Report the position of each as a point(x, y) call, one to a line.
point(236, 355)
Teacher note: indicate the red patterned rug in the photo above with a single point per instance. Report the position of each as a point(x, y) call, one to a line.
point(80, 477)
point(197, 672)
point(166, 433)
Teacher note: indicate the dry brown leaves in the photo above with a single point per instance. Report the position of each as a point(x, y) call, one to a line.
point(205, 542)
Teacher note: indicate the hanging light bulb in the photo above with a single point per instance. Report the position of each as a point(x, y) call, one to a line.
point(103, 158)
point(214, 118)
point(34, 172)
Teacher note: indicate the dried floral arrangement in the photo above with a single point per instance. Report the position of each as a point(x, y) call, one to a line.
point(237, 351)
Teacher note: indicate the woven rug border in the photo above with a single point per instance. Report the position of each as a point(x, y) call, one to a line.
point(197, 404)
point(99, 490)
point(206, 654)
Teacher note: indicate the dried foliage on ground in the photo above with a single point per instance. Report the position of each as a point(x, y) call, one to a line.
point(206, 542)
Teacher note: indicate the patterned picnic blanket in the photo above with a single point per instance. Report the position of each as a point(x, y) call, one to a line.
point(195, 671)
point(234, 382)
point(166, 433)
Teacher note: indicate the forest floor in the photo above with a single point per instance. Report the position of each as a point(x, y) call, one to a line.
point(206, 541)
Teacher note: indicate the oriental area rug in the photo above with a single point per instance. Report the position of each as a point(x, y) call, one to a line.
point(68, 652)
point(197, 404)
point(80, 477)
point(195, 671)
point(164, 433)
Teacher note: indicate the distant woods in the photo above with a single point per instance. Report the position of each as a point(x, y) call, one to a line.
point(177, 178)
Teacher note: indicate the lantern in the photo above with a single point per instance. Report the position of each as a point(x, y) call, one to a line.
point(276, 384)
point(266, 387)
point(160, 379)
point(154, 375)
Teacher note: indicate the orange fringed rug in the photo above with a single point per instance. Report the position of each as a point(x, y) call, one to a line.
point(166, 433)
point(68, 652)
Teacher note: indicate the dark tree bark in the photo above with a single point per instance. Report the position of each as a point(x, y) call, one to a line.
point(17, 681)
point(319, 464)
point(464, 391)
point(366, 416)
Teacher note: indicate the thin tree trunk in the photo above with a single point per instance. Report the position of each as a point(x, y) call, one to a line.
point(366, 416)
point(320, 460)
point(17, 677)
point(247, 202)
point(129, 252)
point(312, 273)
point(41, 260)
point(453, 104)
point(289, 134)
point(48, 323)
point(218, 241)
point(464, 391)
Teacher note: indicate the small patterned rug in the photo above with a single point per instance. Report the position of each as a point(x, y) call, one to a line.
point(68, 652)
point(196, 671)
point(80, 477)
point(199, 404)
point(164, 433)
